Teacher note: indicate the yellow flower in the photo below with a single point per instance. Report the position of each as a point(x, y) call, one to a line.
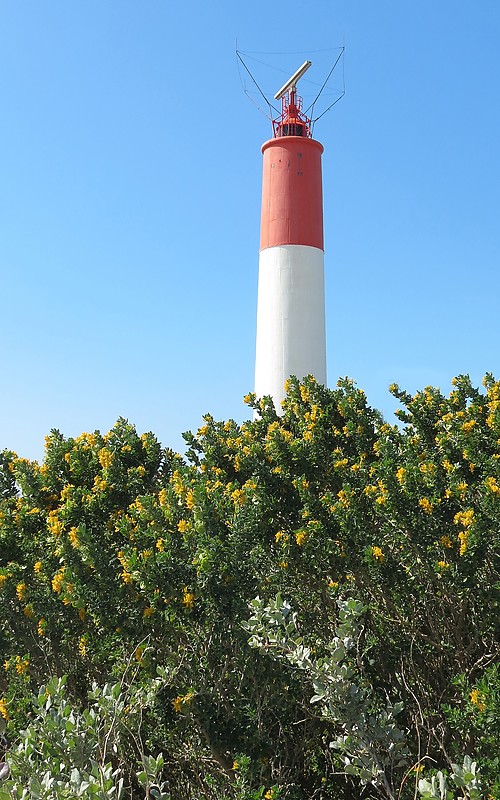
point(126, 577)
point(22, 665)
point(463, 537)
point(160, 545)
point(66, 491)
point(82, 645)
point(183, 526)
point(58, 580)
point(401, 475)
point(445, 541)
point(443, 565)
point(426, 504)
point(315, 412)
point(477, 699)
point(28, 611)
point(3, 708)
point(148, 612)
point(427, 468)
point(99, 484)
point(238, 497)
point(138, 654)
point(465, 518)
point(54, 524)
point(188, 598)
point(304, 393)
point(73, 538)
point(343, 498)
point(3, 578)
point(301, 537)
point(492, 484)
point(177, 704)
point(467, 426)
point(377, 553)
point(21, 591)
point(135, 508)
point(42, 624)
point(105, 458)
point(162, 497)
point(182, 700)
point(87, 440)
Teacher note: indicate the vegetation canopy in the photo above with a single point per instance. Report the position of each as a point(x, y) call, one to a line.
point(304, 606)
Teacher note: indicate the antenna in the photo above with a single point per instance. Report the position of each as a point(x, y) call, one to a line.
point(291, 84)
point(292, 121)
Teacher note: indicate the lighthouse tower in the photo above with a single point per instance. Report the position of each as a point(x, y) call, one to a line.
point(291, 336)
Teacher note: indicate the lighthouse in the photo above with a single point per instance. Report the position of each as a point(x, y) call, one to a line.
point(291, 337)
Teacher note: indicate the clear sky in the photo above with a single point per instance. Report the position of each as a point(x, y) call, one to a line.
point(130, 179)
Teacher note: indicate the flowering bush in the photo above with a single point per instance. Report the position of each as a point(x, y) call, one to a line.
point(117, 554)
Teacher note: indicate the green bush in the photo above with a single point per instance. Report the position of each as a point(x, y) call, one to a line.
point(118, 555)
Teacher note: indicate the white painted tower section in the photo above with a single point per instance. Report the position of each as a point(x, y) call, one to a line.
point(291, 333)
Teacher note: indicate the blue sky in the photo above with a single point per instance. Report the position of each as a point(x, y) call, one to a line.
point(130, 187)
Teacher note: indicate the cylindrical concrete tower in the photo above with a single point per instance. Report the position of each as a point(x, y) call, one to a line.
point(291, 336)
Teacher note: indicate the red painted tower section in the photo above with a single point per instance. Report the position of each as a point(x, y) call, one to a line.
point(292, 197)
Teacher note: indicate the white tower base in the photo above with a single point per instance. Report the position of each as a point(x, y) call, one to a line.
point(291, 336)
